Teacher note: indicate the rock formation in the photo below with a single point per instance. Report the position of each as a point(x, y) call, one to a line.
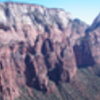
point(35, 49)
point(40, 47)
point(93, 37)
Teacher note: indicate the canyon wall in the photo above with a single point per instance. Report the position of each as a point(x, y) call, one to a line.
point(40, 47)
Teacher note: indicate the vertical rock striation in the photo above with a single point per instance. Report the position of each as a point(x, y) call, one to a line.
point(35, 48)
point(40, 47)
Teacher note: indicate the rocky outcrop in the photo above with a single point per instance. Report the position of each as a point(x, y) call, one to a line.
point(40, 47)
point(87, 49)
point(79, 43)
point(93, 37)
point(8, 87)
point(35, 48)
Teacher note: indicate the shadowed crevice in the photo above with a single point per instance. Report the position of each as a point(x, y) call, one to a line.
point(83, 55)
point(29, 72)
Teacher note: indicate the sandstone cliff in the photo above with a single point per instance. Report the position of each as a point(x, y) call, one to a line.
point(35, 49)
point(93, 37)
point(41, 47)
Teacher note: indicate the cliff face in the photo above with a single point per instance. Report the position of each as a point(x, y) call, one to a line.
point(35, 48)
point(39, 48)
point(94, 39)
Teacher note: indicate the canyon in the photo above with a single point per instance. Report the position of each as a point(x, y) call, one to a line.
point(45, 51)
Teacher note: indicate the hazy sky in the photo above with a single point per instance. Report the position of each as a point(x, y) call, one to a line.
point(86, 10)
